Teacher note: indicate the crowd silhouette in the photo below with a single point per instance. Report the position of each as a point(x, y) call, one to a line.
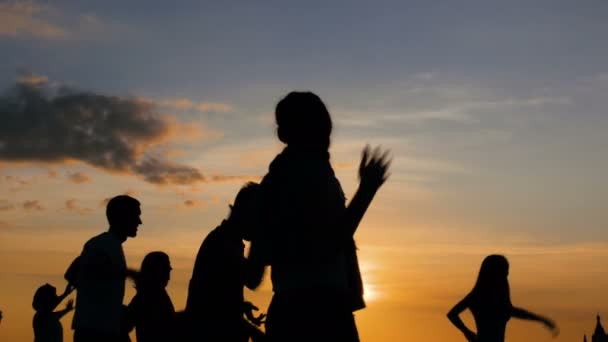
point(298, 223)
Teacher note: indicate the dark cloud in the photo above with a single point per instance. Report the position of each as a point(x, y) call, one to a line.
point(32, 205)
point(44, 123)
point(224, 178)
point(79, 178)
point(161, 171)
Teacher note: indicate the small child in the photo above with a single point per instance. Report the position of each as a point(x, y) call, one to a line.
point(47, 327)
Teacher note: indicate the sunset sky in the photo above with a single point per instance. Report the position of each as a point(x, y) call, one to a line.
point(495, 114)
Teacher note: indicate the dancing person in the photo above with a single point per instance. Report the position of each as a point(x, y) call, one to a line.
point(490, 304)
point(307, 231)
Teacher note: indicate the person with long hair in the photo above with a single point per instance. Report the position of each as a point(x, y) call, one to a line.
point(306, 230)
point(490, 304)
point(151, 310)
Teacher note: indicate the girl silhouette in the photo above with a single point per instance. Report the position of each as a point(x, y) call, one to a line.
point(490, 304)
point(151, 310)
point(307, 230)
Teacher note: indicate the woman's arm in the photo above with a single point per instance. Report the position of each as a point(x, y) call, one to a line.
point(373, 172)
point(530, 316)
point(454, 317)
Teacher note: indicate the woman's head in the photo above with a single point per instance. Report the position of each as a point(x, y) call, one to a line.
point(494, 268)
point(492, 286)
point(303, 121)
point(45, 298)
point(155, 271)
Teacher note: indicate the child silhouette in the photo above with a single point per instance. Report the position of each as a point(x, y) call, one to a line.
point(47, 327)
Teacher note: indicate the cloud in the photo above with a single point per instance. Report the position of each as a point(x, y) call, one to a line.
point(112, 133)
point(6, 205)
point(203, 107)
point(79, 178)
point(190, 204)
point(29, 78)
point(32, 205)
point(18, 18)
point(160, 171)
point(224, 178)
point(72, 205)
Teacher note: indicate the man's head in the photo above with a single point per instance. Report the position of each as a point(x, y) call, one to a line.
point(245, 210)
point(123, 213)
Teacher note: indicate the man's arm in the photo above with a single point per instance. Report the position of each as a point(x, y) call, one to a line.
point(254, 266)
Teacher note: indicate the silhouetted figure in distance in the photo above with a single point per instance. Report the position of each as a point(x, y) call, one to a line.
point(47, 327)
point(151, 310)
point(101, 274)
point(307, 232)
point(490, 304)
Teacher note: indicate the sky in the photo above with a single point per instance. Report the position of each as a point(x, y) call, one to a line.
point(494, 113)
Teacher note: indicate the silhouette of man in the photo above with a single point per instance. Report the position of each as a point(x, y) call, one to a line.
point(102, 272)
point(215, 304)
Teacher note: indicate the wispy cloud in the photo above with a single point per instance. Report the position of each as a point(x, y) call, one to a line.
point(6, 205)
point(27, 18)
point(73, 205)
point(203, 107)
point(34, 205)
point(79, 178)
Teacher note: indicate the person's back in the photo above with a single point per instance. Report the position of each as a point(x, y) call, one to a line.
point(215, 295)
point(99, 296)
point(215, 303)
point(491, 321)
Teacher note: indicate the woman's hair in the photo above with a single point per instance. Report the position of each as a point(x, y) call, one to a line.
point(45, 297)
point(154, 269)
point(303, 121)
point(491, 291)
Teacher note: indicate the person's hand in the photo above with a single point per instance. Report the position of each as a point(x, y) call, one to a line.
point(373, 169)
point(70, 305)
point(550, 324)
point(470, 336)
point(249, 308)
point(69, 288)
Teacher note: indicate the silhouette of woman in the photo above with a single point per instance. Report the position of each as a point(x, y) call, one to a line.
point(151, 310)
point(306, 231)
point(490, 304)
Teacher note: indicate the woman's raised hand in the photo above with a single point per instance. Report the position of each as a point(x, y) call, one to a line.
point(373, 169)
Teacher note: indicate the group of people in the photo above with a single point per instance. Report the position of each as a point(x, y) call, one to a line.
point(297, 222)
